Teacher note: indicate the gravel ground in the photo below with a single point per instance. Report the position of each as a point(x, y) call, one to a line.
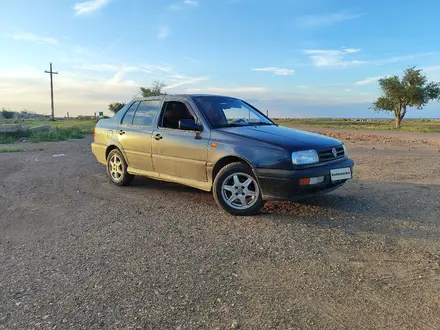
point(78, 252)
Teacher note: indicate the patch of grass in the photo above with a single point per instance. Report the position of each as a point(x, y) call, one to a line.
point(63, 129)
point(10, 149)
point(86, 124)
point(408, 125)
point(57, 134)
point(6, 138)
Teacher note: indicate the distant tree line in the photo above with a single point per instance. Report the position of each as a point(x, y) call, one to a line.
point(24, 114)
point(7, 114)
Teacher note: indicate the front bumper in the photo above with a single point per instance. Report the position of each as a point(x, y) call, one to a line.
point(285, 184)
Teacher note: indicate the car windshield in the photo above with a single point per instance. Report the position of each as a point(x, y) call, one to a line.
point(230, 112)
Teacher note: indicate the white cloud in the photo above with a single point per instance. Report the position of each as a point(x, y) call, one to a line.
point(118, 77)
point(302, 86)
point(184, 80)
point(87, 7)
point(22, 72)
point(397, 59)
point(175, 7)
point(332, 57)
point(234, 91)
point(77, 95)
point(166, 69)
point(32, 37)
point(163, 32)
point(28, 87)
point(92, 90)
point(191, 2)
point(100, 67)
point(325, 20)
point(431, 68)
point(368, 80)
point(173, 78)
point(84, 51)
point(433, 72)
point(95, 53)
point(351, 50)
point(337, 57)
point(193, 60)
point(277, 71)
point(180, 6)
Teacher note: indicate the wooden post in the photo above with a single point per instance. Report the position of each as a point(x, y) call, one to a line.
point(51, 89)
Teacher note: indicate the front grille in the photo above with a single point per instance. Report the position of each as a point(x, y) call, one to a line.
point(327, 153)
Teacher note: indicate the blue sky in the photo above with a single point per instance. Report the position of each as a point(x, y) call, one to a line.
point(294, 58)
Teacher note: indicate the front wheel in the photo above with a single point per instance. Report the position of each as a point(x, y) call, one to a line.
point(117, 169)
point(237, 191)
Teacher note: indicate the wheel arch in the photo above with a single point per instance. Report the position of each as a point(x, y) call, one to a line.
point(113, 147)
point(222, 162)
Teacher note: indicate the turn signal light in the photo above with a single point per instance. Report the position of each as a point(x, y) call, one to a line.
point(304, 181)
point(308, 181)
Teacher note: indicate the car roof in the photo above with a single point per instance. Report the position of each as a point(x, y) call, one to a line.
point(142, 98)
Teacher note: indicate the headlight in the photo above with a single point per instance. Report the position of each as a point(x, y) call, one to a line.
point(345, 149)
point(305, 157)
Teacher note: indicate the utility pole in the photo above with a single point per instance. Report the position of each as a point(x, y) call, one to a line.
point(51, 89)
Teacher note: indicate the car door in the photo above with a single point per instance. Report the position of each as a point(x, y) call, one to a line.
point(176, 152)
point(135, 134)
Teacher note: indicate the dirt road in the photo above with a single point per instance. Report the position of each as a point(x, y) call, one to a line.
point(78, 252)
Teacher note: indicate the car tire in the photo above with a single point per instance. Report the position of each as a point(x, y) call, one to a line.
point(237, 191)
point(117, 169)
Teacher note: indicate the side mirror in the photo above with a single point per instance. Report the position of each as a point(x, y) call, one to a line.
point(189, 125)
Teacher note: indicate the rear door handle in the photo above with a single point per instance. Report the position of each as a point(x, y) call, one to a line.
point(121, 132)
point(158, 136)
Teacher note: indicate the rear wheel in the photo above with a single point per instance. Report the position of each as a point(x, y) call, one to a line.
point(237, 191)
point(117, 169)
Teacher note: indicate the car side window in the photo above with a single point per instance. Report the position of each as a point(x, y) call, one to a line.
point(173, 112)
point(145, 113)
point(128, 117)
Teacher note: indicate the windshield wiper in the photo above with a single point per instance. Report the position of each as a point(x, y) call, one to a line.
point(258, 123)
point(261, 123)
point(228, 125)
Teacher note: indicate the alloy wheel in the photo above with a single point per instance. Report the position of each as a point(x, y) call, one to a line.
point(240, 191)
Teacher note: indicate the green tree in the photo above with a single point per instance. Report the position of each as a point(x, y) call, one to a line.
point(413, 90)
point(155, 89)
point(7, 114)
point(115, 107)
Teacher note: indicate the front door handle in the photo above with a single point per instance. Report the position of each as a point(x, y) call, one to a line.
point(157, 136)
point(121, 132)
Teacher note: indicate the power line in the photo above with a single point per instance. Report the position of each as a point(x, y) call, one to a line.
point(51, 88)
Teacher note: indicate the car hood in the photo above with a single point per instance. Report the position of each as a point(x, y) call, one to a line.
point(283, 136)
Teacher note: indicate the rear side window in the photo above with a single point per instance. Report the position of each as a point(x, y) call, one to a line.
point(128, 118)
point(145, 113)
